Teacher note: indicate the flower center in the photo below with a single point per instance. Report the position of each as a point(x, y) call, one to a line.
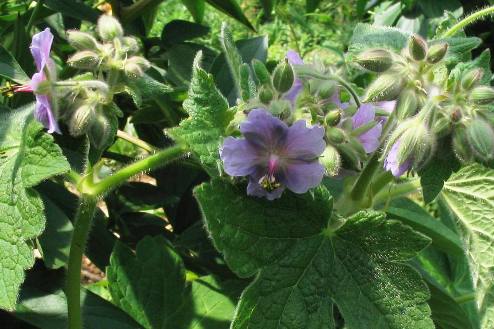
point(268, 181)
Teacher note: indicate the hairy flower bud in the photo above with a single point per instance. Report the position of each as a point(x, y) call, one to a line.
point(109, 28)
point(472, 78)
point(461, 146)
point(81, 40)
point(385, 88)
point(100, 131)
point(131, 45)
point(375, 60)
point(407, 104)
point(332, 118)
point(480, 136)
point(437, 52)
point(335, 135)
point(442, 127)
point(85, 59)
point(283, 77)
point(331, 160)
point(417, 47)
point(80, 121)
point(266, 94)
point(482, 95)
point(136, 66)
point(262, 73)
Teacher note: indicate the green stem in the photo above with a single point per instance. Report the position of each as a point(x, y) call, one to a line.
point(365, 177)
point(136, 141)
point(82, 225)
point(73, 177)
point(465, 298)
point(348, 88)
point(138, 8)
point(468, 20)
point(154, 161)
point(34, 15)
point(396, 191)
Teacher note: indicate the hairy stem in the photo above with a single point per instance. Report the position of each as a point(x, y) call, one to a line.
point(468, 20)
point(136, 141)
point(82, 225)
point(397, 190)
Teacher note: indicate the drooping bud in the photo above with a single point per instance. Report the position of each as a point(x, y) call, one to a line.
point(385, 88)
point(441, 127)
point(461, 146)
point(85, 59)
point(375, 60)
point(262, 73)
point(331, 160)
point(109, 28)
point(407, 104)
point(131, 44)
point(266, 94)
point(437, 52)
point(482, 95)
point(332, 118)
point(480, 136)
point(81, 40)
point(80, 121)
point(335, 135)
point(283, 77)
point(472, 78)
point(100, 131)
point(417, 47)
point(136, 66)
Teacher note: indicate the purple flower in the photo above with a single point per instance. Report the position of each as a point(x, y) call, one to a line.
point(392, 163)
point(275, 156)
point(292, 94)
point(387, 106)
point(369, 139)
point(40, 49)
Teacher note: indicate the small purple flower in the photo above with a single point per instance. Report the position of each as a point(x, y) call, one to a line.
point(275, 156)
point(387, 106)
point(292, 94)
point(40, 49)
point(369, 139)
point(392, 163)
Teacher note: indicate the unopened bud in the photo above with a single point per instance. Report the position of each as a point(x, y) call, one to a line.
point(437, 52)
point(331, 160)
point(385, 88)
point(136, 66)
point(283, 77)
point(81, 40)
point(333, 118)
point(262, 73)
point(100, 132)
point(131, 44)
point(480, 135)
point(80, 120)
point(326, 89)
point(407, 104)
point(84, 59)
point(335, 135)
point(266, 94)
point(482, 95)
point(461, 146)
point(109, 28)
point(375, 60)
point(472, 78)
point(442, 127)
point(417, 47)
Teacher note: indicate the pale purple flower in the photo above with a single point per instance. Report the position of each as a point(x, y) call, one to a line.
point(294, 59)
point(40, 49)
point(274, 155)
point(392, 163)
point(369, 139)
point(387, 106)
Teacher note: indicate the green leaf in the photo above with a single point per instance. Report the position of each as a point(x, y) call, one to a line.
point(73, 9)
point(178, 31)
point(388, 15)
point(209, 116)
point(27, 156)
point(196, 8)
point(10, 69)
point(459, 48)
point(151, 287)
point(311, 5)
point(367, 36)
point(436, 8)
point(231, 8)
point(232, 57)
point(469, 193)
point(302, 266)
point(267, 6)
point(483, 61)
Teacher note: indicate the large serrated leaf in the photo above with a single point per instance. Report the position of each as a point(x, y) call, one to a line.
point(208, 119)
point(367, 36)
point(27, 156)
point(302, 267)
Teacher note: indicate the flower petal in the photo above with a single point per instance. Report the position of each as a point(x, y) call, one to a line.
point(303, 143)
point(264, 131)
point(44, 114)
point(294, 58)
point(254, 189)
point(40, 48)
point(300, 176)
point(391, 162)
point(365, 114)
point(370, 139)
point(239, 157)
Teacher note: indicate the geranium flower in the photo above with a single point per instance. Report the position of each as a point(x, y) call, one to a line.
point(40, 49)
point(274, 155)
point(369, 139)
point(292, 94)
point(392, 163)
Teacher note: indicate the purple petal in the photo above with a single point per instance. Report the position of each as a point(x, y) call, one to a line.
point(294, 58)
point(44, 114)
point(303, 143)
point(264, 131)
point(239, 157)
point(36, 80)
point(364, 115)
point(388, 106)
point(370, 139)
point(254, 189)
point(300, 176)
point(335, 99)
point(40, 48)
point(392, 164)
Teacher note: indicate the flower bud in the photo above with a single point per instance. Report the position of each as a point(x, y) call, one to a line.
point(375, 60)
point(100, 131)
point(417, 47)
point(326, 89)
point(85, 59)
point(332, 118)
point(437, 52)
point(472, 78)
point(442, 127)
point(480, 136)
point(81, 40)
point(385, 88)
point(266, 94)
point(262, 73)
point(80, 120)
point(136, 66)
point(280, 107)
point(407, 104)
point(331, 160)
point(461, 146)
point(482, 95)
point(131, 44)
point(283, 77)
point(335, 135)
point(109, 28)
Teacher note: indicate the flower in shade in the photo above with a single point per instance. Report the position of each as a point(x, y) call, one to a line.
point(40, 49)
point(292, 94)
point(392, 163)
point(275, 156)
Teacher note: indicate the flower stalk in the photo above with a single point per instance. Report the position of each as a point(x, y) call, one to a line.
point(468, 20)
